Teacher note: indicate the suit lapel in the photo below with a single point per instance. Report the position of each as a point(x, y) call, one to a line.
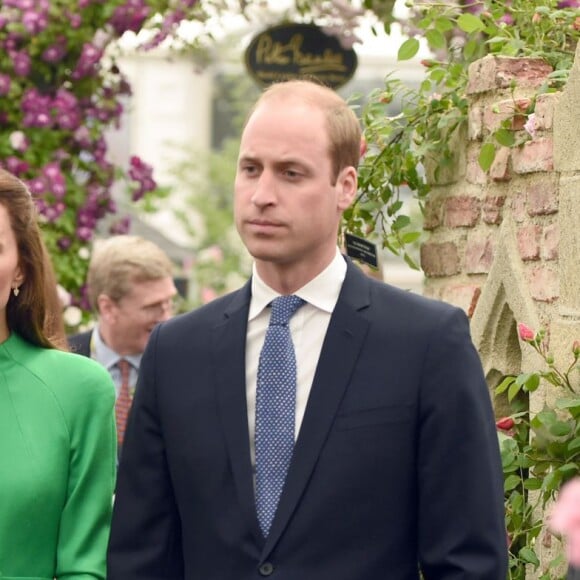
point(344, 339)
point(229, 340)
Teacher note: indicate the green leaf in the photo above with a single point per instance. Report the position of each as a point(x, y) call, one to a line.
point(533, 483)
point(444, 25)
point(568, 469)
point(511, 482)
point(568, 403)
point(513, 391)
point(532, 383)
point(504, 385)
point(504, 137)
point(560, 429)
point(574, 444)
point(410, 237)
point(401, 222)
point(435, 39)
point(486, 156)
point(408, 49)
point(470, 49)
point(528, 555)
point(470, 23)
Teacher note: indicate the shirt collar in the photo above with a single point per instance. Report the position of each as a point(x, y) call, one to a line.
point(322, 291)
point(107, 356)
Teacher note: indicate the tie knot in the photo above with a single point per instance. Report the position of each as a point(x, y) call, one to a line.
point(283, 308)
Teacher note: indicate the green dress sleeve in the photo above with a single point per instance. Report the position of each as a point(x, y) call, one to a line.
point(85, 521)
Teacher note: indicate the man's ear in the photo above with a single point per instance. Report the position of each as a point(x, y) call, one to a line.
point(106, 307)
point(348, 184)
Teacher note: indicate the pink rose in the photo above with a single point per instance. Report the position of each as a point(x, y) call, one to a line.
point(525, 332)
point(565, 518)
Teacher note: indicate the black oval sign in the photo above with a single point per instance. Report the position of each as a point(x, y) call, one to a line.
point(291, 51)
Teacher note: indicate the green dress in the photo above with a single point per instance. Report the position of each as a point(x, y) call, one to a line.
point(57, 463)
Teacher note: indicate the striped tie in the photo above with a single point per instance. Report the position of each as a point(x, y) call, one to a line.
point(123, 404)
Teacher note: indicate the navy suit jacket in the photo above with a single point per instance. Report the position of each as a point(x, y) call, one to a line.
point(396, 465)
point(81, 343)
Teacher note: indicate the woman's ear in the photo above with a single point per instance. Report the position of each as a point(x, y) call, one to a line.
point(18, 277)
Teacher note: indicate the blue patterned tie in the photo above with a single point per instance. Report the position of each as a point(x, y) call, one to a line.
point(275, 409)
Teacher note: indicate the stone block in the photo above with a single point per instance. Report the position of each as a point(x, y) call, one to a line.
point(534, 156)
point(440, 259)
point(499, 72)
point(518, 205)
point(545, 106)
point(479, 253)
point(544, 284)
point(433, 213)
point(492, 209)
point(543, 197)
point(551, 242)
point(529, 238)
point(500, 168)
point(462, 211)
point(474, 173)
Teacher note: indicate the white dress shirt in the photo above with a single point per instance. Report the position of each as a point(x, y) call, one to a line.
point(308, 328)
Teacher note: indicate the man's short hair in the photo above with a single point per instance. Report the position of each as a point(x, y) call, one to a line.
point(121, 261)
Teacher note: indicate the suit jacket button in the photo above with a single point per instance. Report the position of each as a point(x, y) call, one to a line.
point(266, 569)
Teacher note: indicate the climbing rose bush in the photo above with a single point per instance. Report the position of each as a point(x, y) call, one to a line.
point(60, 91)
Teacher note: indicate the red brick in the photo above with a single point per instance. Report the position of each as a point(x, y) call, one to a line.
point(500, 168)
point(544, 284)
point(498, 72)
point(463, 296)
point(462, 211)
point(551, 242)
point(529, 238)
point(493, 209)
point(495, 114)
point(534, 156)
point(440, 259)
point(478, 255)
point(543, 198)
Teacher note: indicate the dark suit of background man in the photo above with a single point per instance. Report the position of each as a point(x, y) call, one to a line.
point(396, 465)
point(131, 289)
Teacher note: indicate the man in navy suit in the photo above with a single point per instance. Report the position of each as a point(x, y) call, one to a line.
point(395, 467)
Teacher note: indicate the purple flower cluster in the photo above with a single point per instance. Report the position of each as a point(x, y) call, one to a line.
point(129, 16)
point(142, 174)
point(41, 110)
point(49, 190)
point(58, 98)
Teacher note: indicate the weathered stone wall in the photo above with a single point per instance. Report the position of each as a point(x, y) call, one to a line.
point(505, 245)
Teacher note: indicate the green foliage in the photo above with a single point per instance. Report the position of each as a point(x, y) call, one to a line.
point(539, 453)
point(414, 148)
point(221, 262)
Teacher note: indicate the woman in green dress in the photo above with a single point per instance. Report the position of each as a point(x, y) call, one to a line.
point(57, 433)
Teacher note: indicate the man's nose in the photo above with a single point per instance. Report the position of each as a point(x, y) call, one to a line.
point(265, 190)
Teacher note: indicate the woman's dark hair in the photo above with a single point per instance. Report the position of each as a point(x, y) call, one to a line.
point(36, 313)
